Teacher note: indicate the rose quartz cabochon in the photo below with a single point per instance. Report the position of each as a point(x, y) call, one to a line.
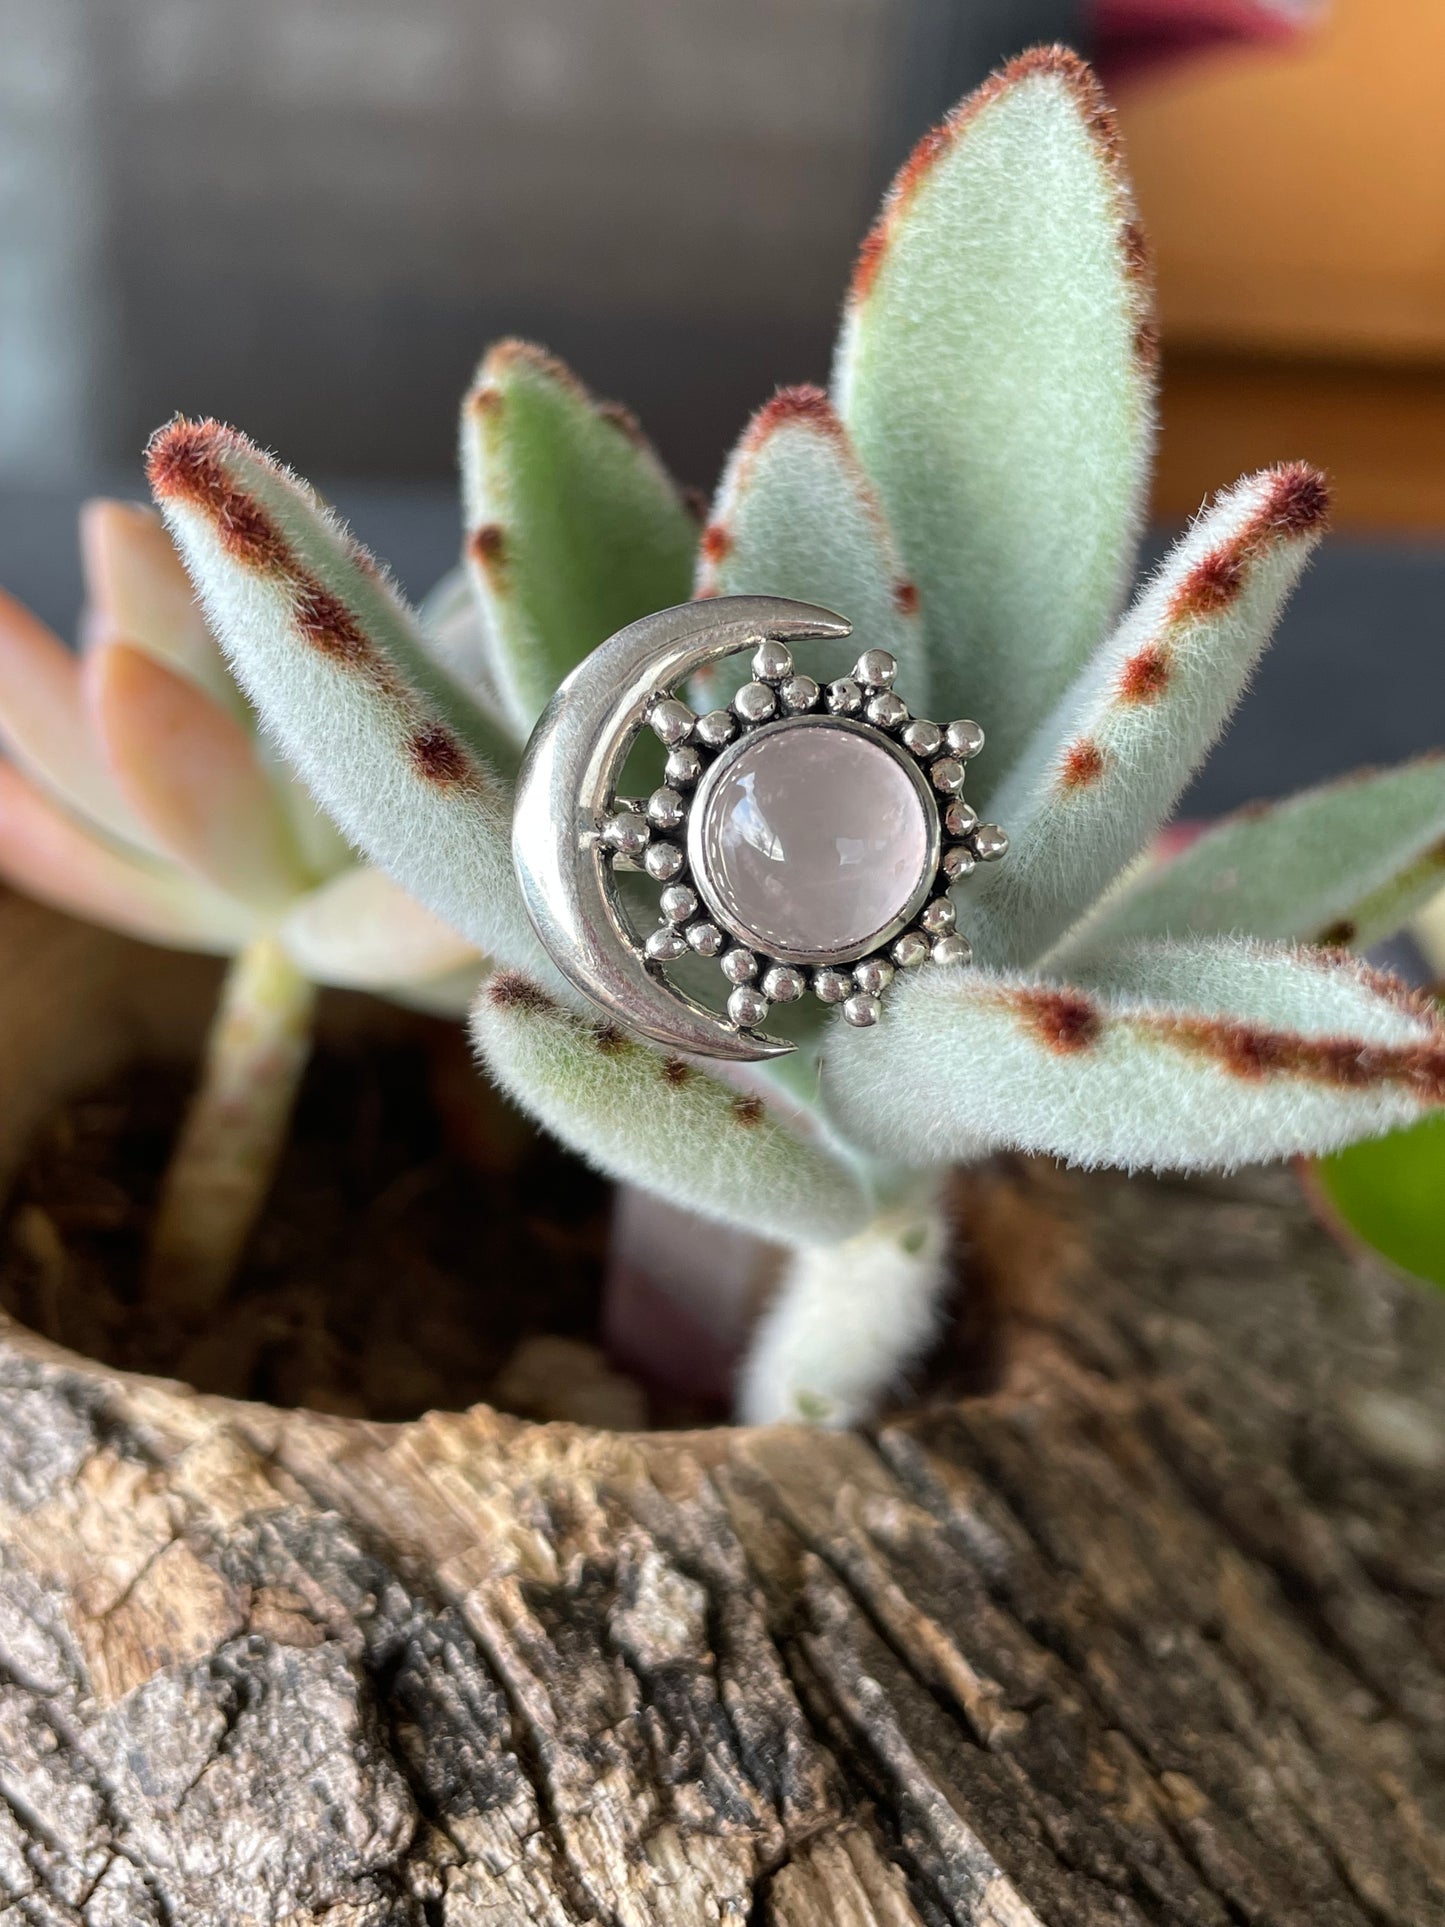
point(813, 840)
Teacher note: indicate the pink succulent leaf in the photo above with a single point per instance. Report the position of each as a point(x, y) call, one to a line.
point(138, 592)
point(55, 858)
point(363, 932)
point(192, 774)
point(45, 728)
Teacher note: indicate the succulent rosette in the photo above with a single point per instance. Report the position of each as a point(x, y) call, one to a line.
point(969, 494)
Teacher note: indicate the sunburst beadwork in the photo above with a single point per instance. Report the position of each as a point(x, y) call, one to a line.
point(806, 837)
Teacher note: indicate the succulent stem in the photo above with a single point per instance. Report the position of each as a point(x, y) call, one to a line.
point(233, 1132)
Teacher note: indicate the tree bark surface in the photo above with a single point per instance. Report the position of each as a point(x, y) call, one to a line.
point(1151, 1629)
point(1152, 1632)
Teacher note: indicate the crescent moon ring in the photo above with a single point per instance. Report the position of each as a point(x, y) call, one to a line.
point(566, 785)
point(875, 765)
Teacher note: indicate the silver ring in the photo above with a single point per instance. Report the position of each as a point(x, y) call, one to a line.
point(804, 838)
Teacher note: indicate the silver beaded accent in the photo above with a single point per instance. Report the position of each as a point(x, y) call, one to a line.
point(755, 702)
point(886, 711)
point(874, 975)
point(862, 1011)
point(626, 832)
point(671, 720)
point(678, 903)
point(683, 767)
point(910, 950)
point(705, 938)
point(747, 1007)
point(636, 834)
point(666, 810)
point(664, 861)
point(784, 985)
point(964, 738)
point(925, 739)
point(772, 661)
point(953, 949)
point(876, 669)
point(831, 986)
point(665, 946)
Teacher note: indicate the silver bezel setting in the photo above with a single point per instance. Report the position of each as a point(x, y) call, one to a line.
point(855, 977)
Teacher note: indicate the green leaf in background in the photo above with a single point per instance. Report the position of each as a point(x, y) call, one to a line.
point(1390, 1191)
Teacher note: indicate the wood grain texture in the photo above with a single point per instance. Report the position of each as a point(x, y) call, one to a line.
point(1152, 1633)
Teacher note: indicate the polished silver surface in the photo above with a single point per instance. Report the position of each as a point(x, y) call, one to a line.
point(565, 792)
point(573, 835)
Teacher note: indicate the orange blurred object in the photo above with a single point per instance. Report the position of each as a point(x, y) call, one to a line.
point(1296, 201)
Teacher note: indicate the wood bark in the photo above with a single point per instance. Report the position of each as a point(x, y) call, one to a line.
point(1152, 1630)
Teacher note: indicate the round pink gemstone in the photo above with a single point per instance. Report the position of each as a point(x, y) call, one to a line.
point(812, 841)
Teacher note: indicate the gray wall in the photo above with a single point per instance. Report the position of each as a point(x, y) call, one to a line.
point(310, 215)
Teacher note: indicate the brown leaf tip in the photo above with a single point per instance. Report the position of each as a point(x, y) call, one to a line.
point(905, 598)
point(1064, 1020)
point(1038, 63)
point(185, 462)
point(1082, 764)
point(609, 1040)
point(513, 354)
point(1145, 675)
point(676, 1072)
point(509, 990)
point(1299, 501)
point(748, 1111)
point(436, 755)
point(803, 403)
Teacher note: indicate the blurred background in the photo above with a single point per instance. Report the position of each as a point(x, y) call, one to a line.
point(309, 216)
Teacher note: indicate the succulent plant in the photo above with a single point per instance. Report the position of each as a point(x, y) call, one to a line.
point(139, 795)
point(970, 495)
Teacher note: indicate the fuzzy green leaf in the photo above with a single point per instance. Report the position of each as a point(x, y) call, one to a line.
point(995, 371)
point(1185, 1056)
point(574, 527)
point(1346, 863)
point(1109, 764)
point(662, 1122)
point(796, 516)
point(334, 662)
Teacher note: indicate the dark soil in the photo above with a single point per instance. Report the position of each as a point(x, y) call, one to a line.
point(418, 1235)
